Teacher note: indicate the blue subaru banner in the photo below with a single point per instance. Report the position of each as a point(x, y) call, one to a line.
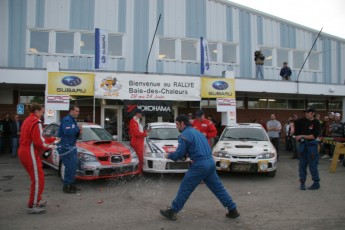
point(101, 49)
point(205, 56)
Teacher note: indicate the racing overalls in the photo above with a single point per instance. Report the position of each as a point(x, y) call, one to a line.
point(207, 127)
point(68, 132)
point(31, 146)
point(203, 168)
point(137, 136)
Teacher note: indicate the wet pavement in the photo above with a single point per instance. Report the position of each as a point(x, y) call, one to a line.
point(134, 202)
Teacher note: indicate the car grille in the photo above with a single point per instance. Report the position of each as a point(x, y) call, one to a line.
point(177, 165)
point(116, 159)
point(118, 170)
point(243, 157)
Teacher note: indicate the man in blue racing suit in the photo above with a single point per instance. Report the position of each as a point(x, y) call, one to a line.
point(193, 144)
point(69, 133)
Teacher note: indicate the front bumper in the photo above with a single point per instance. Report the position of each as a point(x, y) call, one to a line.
point(249, 166)
point(161, 165)
point(94, 171)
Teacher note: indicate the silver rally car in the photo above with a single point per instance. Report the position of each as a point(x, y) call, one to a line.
point(245, 147)
point(162, 139)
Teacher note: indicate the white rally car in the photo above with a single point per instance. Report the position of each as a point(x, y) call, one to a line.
point(162, 139)
point(245, 147)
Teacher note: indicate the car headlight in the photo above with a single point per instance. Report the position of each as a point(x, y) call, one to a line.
point(86, 157)
point(266, 155)
point(133, 153)
point(223, 154)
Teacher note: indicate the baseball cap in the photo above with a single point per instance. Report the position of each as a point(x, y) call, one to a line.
point(199, 113)
point(337, 114)
point(310, 109)
point(138, 111)
point(184, 118)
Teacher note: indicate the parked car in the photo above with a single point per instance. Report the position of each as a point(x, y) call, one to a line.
point(99, 156)
point(162, 139)
point(245, 147)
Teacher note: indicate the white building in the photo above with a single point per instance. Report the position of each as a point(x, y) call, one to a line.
point(36, 32)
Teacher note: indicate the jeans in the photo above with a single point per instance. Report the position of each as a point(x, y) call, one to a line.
point(70, 160)
point(202, 170)
point(15, 144)
point(259, 69)
point(309, 155)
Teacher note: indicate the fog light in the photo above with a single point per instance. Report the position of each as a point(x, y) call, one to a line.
point(263, 166)
point(224, 165)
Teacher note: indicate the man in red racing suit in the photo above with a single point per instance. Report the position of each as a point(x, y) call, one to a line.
point(206, 127)
point(32, 145)
point(137, 136)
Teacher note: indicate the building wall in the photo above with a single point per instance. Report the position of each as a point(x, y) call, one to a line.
point(217, 20)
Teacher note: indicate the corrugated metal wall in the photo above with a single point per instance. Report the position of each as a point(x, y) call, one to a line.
point(220, 22)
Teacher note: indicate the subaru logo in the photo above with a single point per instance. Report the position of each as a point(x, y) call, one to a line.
point(71, 81)
point(220, 85)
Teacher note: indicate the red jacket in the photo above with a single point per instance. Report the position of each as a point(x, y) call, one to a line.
point(136, 136)
point(205, 126)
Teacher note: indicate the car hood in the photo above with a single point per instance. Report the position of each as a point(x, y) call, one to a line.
point(244, 147)
point(104, 148)
point(161, 146)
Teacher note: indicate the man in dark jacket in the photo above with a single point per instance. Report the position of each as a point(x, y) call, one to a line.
point(15, 127)
point(259, 59)
point(285, 72)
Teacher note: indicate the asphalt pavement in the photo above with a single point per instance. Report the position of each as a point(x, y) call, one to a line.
point(134, 202)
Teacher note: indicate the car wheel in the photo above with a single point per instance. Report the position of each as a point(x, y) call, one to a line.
point(62, 169)
point(272, 173)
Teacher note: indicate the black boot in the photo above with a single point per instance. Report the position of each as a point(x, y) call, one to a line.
point(232, 213)
point(314, 186)
point(68, 189)
point(169, 214)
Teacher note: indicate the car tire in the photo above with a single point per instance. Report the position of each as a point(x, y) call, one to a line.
point(272, 173)
point(62, 170)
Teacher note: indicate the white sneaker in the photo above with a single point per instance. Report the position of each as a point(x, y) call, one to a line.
point(35, 210)
point(325, 156)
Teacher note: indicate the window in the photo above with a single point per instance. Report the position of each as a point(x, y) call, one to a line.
point(317, 104)
point(239, 103)
point(282, 56)
point(276, 103)
point(213, 51)
point(64, 42)
point(115, 45)
point(298, 59)
point(39, 42)
point(255, 103)
point(268, 56)
point(313, 61)
point(229, 53)
point(295, 104)
point(335, 105)
point(188, 50)
point(166, 48)
point(28, 98)
point(87, 44)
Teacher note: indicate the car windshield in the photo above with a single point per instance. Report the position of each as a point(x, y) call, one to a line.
point(244, 134)
point(164, 134)
point(95, 134)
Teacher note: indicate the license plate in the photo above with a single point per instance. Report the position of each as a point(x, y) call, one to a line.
point(241, 167)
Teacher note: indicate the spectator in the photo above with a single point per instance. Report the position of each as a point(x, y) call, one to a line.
point(274, 128)
point(307, 131)
point(261, 122)
point(259, 59)
point(288, 135)
point(203, 168)
point(326, 132)
point(7, 143)
point(15, 127)
point(205, 126)
point(69, 132)
point(285, 72)
point(293, 140)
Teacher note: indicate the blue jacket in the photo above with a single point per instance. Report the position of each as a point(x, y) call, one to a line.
point(285, 71)
point(68, 131)
point(192, 144)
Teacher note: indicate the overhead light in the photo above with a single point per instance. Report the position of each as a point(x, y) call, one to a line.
point(215, 51)
point(271, 99)
point(33, 50)
point(82, 43)
point(262, 99)
point(161, 56)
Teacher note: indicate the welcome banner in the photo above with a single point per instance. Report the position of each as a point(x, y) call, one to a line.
point(146, 87)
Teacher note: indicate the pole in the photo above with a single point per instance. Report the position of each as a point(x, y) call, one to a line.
point(307, 58)
point(147, 61)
